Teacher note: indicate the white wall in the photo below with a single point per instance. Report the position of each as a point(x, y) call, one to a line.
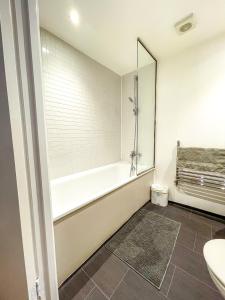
point(83, 109)
point(190, 108)
point(146, 114)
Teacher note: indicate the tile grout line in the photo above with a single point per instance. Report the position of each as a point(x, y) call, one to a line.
point(88, 275)
point(171, 281)
point(176, 268)
point(96, 285)
point(195, 278)
point(184, 246)
point(189, 249)
point(119, 283)
point(90, 292)
point(194, 242)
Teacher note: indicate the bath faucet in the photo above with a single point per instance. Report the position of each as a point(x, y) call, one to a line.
point(133, 168)
point(134, 154)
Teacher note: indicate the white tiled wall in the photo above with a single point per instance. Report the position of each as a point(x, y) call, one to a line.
point(128, 118)
point(82, 108)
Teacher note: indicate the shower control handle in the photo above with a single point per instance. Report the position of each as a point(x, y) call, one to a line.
point(135, 154)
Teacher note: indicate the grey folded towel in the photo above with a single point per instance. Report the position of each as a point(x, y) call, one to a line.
point(201, 159)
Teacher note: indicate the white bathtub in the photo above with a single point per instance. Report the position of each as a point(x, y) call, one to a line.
point(72, 192)
point(89, 207)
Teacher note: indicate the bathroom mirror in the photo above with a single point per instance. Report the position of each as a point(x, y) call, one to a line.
point(146, 95)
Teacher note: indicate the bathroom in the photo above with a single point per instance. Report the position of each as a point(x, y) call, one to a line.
point(113, 117)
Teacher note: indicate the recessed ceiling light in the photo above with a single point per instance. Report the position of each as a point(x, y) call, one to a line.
point(45, 50)
point(74, 17)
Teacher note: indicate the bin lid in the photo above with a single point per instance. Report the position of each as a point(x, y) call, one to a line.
point(159, 188)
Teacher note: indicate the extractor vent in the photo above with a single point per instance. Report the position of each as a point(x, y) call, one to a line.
point(186, 24)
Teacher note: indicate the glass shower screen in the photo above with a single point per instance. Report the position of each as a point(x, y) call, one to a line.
point(146, 70)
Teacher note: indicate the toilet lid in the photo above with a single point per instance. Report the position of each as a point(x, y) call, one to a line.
point(214, 253)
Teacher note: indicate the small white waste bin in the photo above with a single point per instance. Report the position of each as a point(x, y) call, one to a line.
point(159, 194)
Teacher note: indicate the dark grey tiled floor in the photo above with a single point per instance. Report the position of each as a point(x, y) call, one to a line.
point(104, 276)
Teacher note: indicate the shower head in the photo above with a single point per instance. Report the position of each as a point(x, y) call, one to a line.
point(135, 109)
point(131, 100)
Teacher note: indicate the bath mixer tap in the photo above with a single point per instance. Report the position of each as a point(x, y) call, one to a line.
point(134, 154)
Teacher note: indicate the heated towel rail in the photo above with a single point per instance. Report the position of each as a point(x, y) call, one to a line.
point(201, 178)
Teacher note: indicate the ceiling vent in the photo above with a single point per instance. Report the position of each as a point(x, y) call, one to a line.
point(186, 24)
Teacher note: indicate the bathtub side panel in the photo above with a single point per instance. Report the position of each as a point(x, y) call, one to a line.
point(79, 235)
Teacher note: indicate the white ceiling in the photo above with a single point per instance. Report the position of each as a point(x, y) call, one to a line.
point(108, 28)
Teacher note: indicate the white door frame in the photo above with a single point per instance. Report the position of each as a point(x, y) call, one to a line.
point(24, 86)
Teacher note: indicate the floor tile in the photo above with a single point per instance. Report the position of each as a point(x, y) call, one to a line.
point(183, 216)
point(186, 237)
point(134, 287)
point(192, 263)
point(176, 213)
point(199, 244)
point(207, 220)
point(62, 294)
point(96, 294)
point(185, 287)
point(218, 232)
point(155, 208)
point(106, 270)
point(77, 287)
point(167, 280)
point(198, 226)
point(187, 277)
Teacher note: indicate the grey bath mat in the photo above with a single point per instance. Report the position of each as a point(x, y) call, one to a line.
point(146, 243)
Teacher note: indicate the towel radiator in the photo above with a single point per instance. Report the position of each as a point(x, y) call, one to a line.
point(212, 180)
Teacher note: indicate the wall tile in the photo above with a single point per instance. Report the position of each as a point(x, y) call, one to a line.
point(82, 109)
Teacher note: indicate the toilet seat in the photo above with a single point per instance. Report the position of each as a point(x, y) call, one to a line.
point(214, 253)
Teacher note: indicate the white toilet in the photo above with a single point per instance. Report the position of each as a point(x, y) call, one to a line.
point(214, 253)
